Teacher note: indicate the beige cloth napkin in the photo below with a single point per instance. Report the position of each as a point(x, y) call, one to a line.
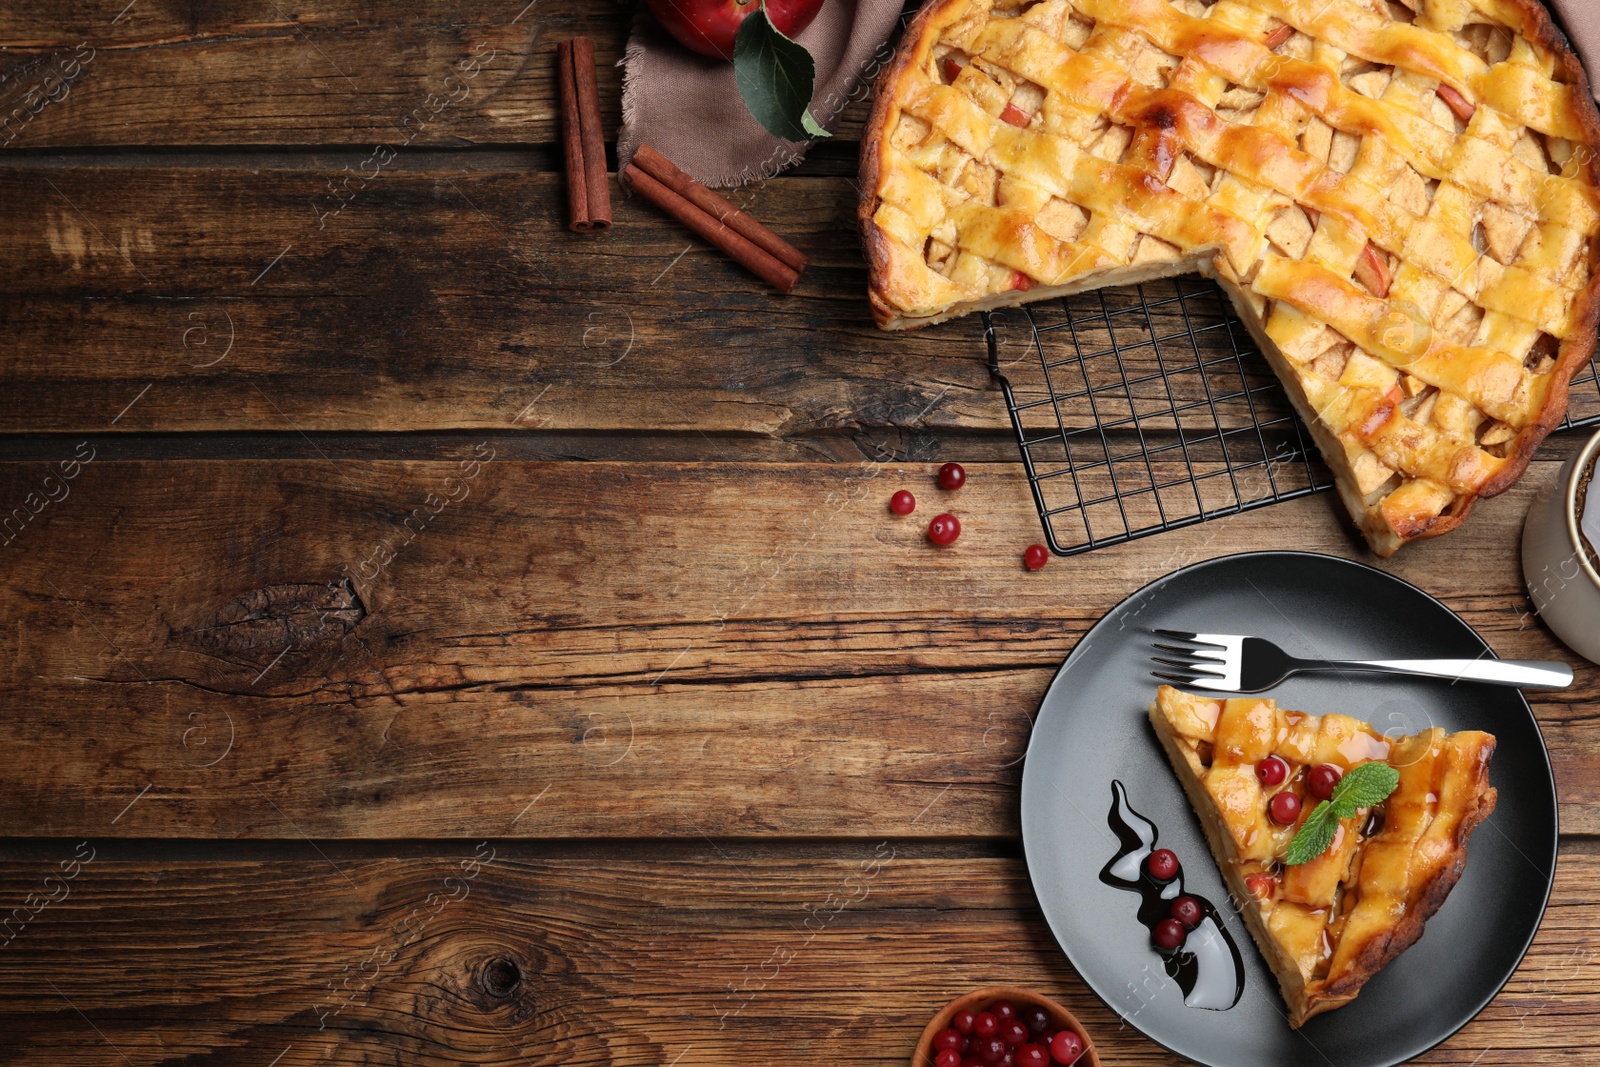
point(1582, 21)
point(687, 106)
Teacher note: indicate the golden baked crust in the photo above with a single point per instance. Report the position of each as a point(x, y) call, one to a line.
point(1399, 197)
point(1327, 926)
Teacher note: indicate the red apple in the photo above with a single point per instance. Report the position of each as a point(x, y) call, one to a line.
point(710, 26)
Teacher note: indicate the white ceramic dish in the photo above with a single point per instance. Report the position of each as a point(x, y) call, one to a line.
point(1560, 576)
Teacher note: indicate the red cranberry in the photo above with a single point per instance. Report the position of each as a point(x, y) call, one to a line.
point(971, 1061)
point(952, 476)
point(1009, 1059)
point(1013, 1033)
point(1272, 771)
point(944, 529)
point(1036, 1019)
point(1066, 1047)
point(984, 1024)
point(1032, 1056)
point(1284, 808)
point(1187, 910)
point(962, 1022)
point(1169, 934)
point(948, 1057)
point(902, 503)
point(1003, 1010)
point(1162, 865)
point(1035, 557)
point(1320, 780)
point(990, 1050)
point(947, 1038)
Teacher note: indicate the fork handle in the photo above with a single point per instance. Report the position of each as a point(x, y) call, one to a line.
point(1526, 673)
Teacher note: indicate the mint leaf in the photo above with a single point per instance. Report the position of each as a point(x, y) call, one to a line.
point(1361, 787)
point(1314, 835)
point(775, 78)
point(1364, 786)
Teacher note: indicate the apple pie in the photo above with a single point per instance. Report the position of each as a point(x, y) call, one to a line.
point(1328, 925)
point(1399, 198)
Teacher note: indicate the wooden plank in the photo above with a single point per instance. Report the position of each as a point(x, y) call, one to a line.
point(299, 299)
point(330, 73)
point(389, 663)
point(494, 953)
point(484, 304)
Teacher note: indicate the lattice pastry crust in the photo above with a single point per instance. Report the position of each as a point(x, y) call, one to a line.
point(1327, 926)
point(1399, 198)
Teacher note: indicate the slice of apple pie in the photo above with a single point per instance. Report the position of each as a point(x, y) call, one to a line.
point(1399, 197)
point(1255, 772)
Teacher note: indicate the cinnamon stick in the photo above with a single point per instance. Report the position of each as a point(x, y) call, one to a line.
point(745, 252)
point(667, 173)
point(588, 195)
point(572, 140)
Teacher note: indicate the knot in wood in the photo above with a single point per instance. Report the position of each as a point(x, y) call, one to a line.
point(265, 621)
point(499, 977)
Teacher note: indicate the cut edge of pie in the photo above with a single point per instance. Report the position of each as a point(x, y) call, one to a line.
point(1407, 465)
point(1326, 927)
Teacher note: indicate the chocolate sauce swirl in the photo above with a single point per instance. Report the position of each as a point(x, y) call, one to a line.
point(1208, 968)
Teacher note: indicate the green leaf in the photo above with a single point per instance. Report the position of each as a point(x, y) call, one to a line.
point(775, 77)
point(1361, 787)
point(1314, 835)
point(1364, 786)
point(812, 126)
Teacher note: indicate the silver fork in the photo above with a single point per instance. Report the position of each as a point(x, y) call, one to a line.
point(1236, 663)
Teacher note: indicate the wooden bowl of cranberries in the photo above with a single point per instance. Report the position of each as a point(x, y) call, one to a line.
point(1004, 1026)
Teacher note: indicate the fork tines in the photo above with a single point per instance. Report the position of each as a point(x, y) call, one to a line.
point(1200, 659)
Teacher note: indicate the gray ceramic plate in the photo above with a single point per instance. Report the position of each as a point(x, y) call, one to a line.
point(1092, 730)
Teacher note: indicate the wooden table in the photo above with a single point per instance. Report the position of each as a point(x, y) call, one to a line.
point(432, 637)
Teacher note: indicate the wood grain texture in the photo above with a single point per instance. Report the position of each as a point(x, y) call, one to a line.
point(439, 301)
point(324, 73)
point(498, 954)
point(357, 297)
point(670, 648)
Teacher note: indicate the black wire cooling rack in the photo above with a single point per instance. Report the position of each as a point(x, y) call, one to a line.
point(1148, 408)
